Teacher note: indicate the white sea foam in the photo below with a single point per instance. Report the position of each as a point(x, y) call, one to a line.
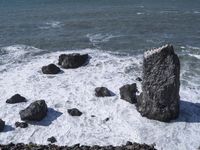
point(75, 88)
point(194, 55)
point(100, 38)
point(51, 24)
point(140, 13)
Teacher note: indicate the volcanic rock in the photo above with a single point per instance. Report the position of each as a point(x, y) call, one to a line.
point(36, 111)
point(74, 112)
point(102, 92)
point(74, 60)
point(50, 69)
point(16, 99)
point(160, 86)
point(128, 93)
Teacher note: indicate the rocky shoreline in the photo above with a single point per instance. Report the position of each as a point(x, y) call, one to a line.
point(31, 146)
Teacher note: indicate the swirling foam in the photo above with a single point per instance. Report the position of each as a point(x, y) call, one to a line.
point(75, 88)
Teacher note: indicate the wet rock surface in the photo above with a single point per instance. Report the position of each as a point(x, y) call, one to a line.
point(52, 139)
point(74, 60)
point(36, 111)
point(31, 146)
point(51, 69)
point(128, 93)
point(17, 98)
point(2, 125)
point(21, 124)
point(74, 112)
point(102, 92)
point(160, 86)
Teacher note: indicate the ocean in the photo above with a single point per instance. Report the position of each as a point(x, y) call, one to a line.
point(33, 33)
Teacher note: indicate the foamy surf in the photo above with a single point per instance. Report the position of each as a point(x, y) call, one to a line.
point(75, 88)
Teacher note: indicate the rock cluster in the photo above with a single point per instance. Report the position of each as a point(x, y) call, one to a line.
point(160, 86)
point(36, 111)
point(31, 146)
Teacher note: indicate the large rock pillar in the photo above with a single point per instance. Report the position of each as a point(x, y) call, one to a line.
point(160, 85)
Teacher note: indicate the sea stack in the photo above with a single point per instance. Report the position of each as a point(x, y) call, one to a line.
point(160, 85)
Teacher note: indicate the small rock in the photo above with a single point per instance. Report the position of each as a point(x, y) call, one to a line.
point(107, 119)
point(52, 139)
point(93, 116)
point(36, 111)
point(102, 92)
point(50, 69)
point(129, 143)
point(21, 124)
point(128, 93)
point(74, 112)
point(2, 125)
point(74, 60)
point(139, 79)
point(16, 99)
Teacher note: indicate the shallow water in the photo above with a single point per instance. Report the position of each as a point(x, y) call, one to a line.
point(115, 33)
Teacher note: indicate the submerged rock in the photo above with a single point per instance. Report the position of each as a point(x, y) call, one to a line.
point(74, 60)
point(128, 93)
point(102, 92)
point(74, 112)
point(16, 99)
point(52, 139)
point(21, 124)
point(2, 125)
point(36, 111)
point(161, 82)
point(50, 69)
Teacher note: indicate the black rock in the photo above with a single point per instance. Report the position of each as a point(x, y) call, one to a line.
point(36, 111)
point(139, 79)
point(160, 86)
point(31, 146)
point(128, 93)
point(21, 124)
point(102, 92)
point(52, 139)
point(74, 60)
point(74, 112)
point(50, 69)
point(16, 99)
point(2, 125)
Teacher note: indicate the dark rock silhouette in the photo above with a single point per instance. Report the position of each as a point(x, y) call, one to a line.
point(52, 139)
point(139, 79)
point(31, 146)
point(128, 93)
point(36, 111)
point(160, 86)
point(16, 99)
point(2, 125)
point(21, 124)
point(74, 60)
point(74, 112)
point(50, 69)
point(102, 92)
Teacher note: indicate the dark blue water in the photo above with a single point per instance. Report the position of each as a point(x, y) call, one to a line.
point(116, 25)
